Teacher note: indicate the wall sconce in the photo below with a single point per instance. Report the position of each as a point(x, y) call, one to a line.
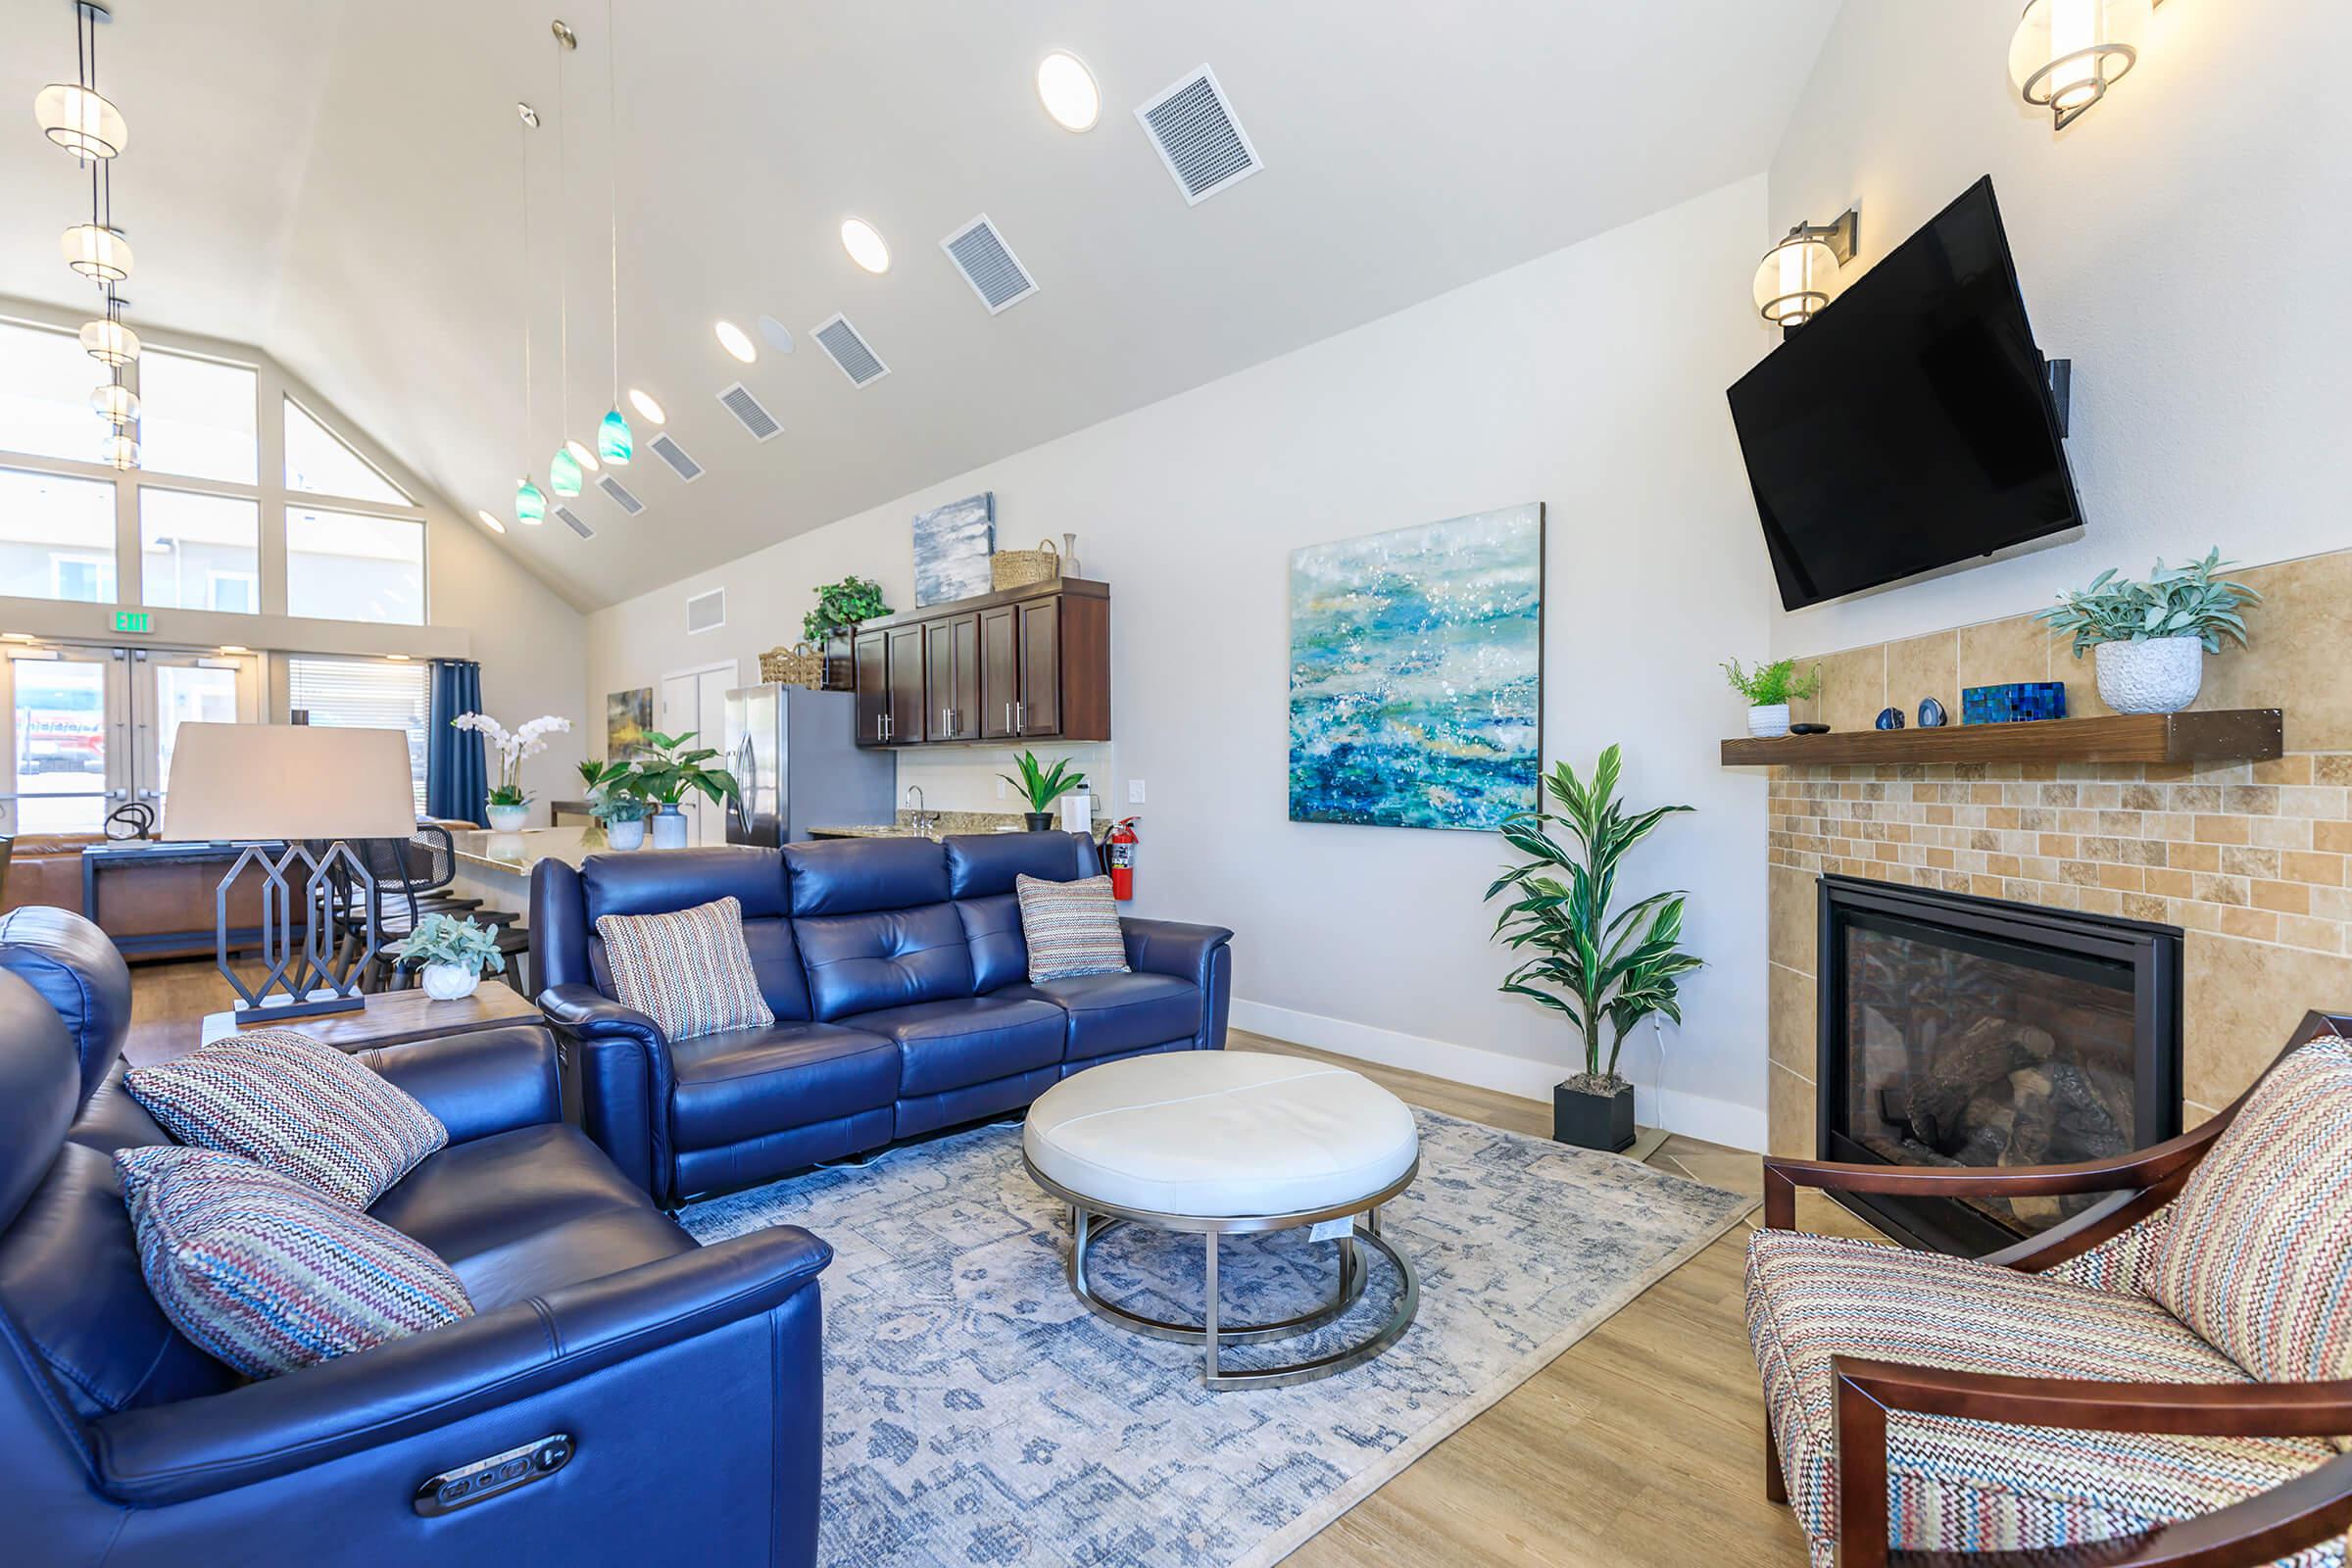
point(2067, 53)
point(1793, 282)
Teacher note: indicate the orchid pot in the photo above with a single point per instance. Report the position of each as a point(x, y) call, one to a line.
point(508, 818)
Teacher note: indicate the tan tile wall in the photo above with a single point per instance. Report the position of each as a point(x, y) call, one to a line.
point(2253, 860)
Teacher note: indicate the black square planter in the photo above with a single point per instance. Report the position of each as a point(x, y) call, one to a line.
point(1592, 1121)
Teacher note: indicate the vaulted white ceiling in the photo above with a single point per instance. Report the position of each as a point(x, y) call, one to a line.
point(342, 184)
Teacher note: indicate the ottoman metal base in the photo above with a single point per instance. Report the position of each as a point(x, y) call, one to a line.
point(1091, 1217)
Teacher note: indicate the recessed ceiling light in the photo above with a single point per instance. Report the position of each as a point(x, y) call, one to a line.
point(731, 338)
point(778, 336)
point(1069, 91)
point(398, 659)
point(864, 245)
point(646, 406)
point(490, 522)
point(582, 454)
point(233, 648)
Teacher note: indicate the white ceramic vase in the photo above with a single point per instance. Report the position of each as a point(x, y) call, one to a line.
point(508, 818)
point(624, 835)
point(669, 828)
point(446, 982)
point(2160, 675)
point(1768, 719)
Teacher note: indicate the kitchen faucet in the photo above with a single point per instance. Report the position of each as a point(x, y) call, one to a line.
point(925, 823)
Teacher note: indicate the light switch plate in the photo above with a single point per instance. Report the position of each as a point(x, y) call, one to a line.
point(1135, 792)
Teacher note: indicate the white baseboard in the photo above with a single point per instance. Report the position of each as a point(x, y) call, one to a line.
point(1718, 1122)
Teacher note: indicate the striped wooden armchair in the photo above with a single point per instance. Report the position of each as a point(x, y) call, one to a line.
point(2165, 1379)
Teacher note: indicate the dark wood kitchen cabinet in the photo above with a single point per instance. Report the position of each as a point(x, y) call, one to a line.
point(1024, 664)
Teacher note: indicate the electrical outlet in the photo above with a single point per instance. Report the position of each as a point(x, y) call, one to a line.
point(1135, 792)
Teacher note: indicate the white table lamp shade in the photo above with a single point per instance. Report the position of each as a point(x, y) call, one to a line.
point(288, 781)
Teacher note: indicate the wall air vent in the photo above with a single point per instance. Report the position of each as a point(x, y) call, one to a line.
point(670, 452)
point(707, 612)
point(1198, 139)
point(846, 349)
point(738, 401)
point(572, 519)
point(620, 495)
point(988, 263)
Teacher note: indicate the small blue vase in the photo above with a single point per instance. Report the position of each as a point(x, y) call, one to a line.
point(1931, 714)
point(1891, 719)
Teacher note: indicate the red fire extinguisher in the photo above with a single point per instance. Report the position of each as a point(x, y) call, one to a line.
point(1122, 843)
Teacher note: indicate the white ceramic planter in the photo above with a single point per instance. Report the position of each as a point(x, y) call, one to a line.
point(669, 828)
point(626, 835)
point(446, 982)
point(2160, 675)
point(1767, 720)
point(508, 818)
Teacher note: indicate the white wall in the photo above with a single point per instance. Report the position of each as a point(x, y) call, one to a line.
point(1591, 380)
point(2183, 243)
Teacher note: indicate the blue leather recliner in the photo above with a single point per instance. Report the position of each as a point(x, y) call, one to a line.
point(900, 981)
point(683, 1381)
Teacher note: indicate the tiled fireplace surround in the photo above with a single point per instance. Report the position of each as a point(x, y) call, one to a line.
point(2253, 860)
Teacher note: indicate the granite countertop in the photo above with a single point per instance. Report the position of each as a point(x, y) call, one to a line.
point(943, 822)
point(518, 853)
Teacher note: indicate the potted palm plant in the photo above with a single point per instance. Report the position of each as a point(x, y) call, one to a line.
point(664, 773)
point(1603, 971)
point(451, 954)
point(1044, 787)
point(1769, 690)
point(2152, 637)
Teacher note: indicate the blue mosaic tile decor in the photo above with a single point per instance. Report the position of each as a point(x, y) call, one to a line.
point(2022, 701)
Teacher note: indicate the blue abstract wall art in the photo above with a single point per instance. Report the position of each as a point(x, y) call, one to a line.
point(952, 547)
point(1417, 674)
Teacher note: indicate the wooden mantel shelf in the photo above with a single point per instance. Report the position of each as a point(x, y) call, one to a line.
point(2235, 734)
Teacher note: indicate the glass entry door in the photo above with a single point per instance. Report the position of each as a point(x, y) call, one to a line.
point(92, 728)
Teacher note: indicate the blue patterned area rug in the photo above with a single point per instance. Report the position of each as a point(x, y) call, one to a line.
point(977, 1414)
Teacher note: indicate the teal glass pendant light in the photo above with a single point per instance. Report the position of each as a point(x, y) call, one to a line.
point(530, 501)
point(613, 441)
point(563, 473)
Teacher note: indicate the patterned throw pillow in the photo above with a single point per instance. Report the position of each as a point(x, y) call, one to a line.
point(293, 1104)
point(689, 972)
point(2261, 1243)
point(1073, 928)
point(264, 1273)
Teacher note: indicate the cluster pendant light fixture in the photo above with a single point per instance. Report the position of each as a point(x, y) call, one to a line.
point(77, 116)
point(614, 443)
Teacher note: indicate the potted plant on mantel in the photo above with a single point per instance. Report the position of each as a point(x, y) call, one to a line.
point(451, 954)
point(1769, 690)
point(1042, 788)
point(1603, 972)
point(509, 807)
point(664, 773)
point(2152, 637)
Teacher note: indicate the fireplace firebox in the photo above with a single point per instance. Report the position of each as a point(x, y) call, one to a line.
point(1957, 1029)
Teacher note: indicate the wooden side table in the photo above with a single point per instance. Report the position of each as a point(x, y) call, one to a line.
point(395, 1017)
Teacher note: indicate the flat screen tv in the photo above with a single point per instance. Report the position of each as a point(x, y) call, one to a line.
point(1909, 425)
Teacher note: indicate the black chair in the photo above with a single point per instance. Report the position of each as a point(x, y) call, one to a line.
point(401, 899)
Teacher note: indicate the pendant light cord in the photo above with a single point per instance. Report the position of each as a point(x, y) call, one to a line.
point(563, 243)
point(613, 191)
point(525, 169)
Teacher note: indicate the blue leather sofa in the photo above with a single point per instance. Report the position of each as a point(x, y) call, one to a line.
point(686, 1378)
point(899, 979)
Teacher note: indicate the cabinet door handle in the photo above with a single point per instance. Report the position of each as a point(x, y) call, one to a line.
point(1020, 717)
point(1008, 717)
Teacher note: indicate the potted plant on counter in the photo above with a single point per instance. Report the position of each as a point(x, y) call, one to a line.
point(1769, 690)
point(662, 773)
point(1042, 788)
point(451, 954)
point(1603, 972)
point(624, 816)
point(2152, 637)
point(509, 807)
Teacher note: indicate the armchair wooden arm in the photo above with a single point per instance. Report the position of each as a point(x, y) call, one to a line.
point(2314, 1507)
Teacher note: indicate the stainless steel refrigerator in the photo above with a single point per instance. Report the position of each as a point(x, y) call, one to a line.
point(795, 753)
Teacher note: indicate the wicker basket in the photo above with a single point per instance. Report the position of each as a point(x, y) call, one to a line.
point(797, 665)
point(1018, 569)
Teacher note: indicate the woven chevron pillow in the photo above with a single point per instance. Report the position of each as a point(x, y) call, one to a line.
point(689, 972)
point(300, 1108)
point(266, 1274)
point(1073, 928)
point(2260, 1253)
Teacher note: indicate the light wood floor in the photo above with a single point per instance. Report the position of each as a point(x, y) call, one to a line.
point(1642, 1446)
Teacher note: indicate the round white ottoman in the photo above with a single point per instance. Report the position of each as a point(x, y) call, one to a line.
point(1217, 1142)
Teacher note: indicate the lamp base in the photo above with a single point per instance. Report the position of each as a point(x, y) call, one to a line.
point(306, 975)
point(318, 1003)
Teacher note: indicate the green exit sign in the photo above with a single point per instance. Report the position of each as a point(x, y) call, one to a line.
point(137, 621)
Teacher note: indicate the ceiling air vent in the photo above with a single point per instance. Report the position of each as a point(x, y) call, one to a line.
point(1197, 137)
point(988, 263)
point(670, 452)
point(707, 612)
point(846, 349)
point(571, 520)
point(620, 496)
point(738, 401)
